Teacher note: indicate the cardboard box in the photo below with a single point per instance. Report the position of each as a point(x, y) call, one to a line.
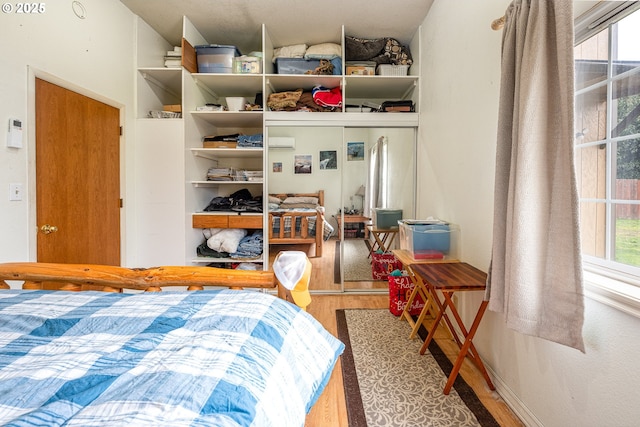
point(176, 108)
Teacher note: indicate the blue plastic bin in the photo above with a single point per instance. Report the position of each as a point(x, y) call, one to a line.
point(215, 58)
point(426, 241)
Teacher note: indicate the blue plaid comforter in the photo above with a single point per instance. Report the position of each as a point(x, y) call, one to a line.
point(202, 358)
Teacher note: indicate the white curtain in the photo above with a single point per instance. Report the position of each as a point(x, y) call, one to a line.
point(376, 178)
point(535, 277)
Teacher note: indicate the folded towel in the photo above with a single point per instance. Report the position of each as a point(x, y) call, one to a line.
point(226, 240)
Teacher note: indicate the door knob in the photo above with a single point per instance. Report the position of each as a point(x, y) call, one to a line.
point(48, 229)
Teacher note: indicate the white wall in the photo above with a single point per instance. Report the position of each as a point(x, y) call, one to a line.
point(550, 384)
point(93, 56)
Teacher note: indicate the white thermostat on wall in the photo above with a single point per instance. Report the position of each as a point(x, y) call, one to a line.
point(14, 135)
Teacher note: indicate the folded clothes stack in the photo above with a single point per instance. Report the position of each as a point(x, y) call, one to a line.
point(250, 247)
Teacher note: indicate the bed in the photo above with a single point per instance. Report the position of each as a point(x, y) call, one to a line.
point(223, 357)
point(298, 218)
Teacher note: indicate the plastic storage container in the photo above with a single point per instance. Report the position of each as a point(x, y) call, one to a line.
point(361, 68)
point(427, 240)
point(215, 58)
point(247, 65)
point(295, 65)
point(387, 218)
point(392, 70)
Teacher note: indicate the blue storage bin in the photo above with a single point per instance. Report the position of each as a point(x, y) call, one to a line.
point(215, 58)
point(427, 241)
point(387, 218)
point(295, 65)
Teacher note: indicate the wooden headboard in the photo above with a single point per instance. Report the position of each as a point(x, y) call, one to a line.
point(77, 277)
point(319, 195)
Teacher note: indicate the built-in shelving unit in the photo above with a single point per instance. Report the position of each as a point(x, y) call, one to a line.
point(157, 86)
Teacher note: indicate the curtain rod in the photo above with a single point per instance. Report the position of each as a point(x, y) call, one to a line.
point(497, 24)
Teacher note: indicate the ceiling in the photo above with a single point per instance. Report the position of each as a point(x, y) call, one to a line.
point(238, 22)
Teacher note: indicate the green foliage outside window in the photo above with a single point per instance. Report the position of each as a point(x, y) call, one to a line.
point(628, 159)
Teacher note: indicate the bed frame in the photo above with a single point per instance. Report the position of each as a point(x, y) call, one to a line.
point(108, 278)
point(300, 236)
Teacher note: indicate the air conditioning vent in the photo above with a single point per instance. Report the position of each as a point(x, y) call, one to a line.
point(282, 142)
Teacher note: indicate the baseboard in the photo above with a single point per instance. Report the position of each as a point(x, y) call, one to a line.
point(513, 402)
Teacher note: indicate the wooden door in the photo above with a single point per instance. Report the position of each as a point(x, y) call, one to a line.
point(77, 177)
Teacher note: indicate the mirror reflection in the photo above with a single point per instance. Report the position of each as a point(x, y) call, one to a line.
point(338, 177)
point(378, 190)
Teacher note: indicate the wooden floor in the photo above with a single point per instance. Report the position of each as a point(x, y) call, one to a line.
point(330, 410)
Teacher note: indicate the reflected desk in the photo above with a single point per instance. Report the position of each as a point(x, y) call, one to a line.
point(446, 279)
point(353, 219)
point(383, 238)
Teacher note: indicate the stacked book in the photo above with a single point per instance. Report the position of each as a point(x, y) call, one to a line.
point(173, 58)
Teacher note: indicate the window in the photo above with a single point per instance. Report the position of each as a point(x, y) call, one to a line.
point(607, 140)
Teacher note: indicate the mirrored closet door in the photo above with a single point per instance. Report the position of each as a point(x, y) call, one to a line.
point(379, 173)
point(347, 172)
point(304, 165)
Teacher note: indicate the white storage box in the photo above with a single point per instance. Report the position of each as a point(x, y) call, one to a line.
point(392, 70)
point(247, 65)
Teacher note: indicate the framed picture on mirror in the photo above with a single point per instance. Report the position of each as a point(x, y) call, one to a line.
point(328, 159)
point(355, 151)
point(302, 163)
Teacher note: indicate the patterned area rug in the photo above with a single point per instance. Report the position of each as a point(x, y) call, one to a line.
point(388, 383)
point(357, 265)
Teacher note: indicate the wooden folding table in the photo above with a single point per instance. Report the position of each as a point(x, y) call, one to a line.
point(419, 289)
point(446, 279)
point(383, 238)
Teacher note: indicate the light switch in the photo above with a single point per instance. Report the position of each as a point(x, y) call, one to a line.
point(15, 192)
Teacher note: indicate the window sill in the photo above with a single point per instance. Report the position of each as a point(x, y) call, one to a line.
point(615, 292)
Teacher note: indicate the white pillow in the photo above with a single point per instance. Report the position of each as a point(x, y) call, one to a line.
point(293, 51)
point(323, 51)
point(300, 199)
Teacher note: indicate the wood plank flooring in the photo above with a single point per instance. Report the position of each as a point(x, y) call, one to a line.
point(330, 410)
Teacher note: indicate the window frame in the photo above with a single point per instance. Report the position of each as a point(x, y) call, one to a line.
point(617, 287)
